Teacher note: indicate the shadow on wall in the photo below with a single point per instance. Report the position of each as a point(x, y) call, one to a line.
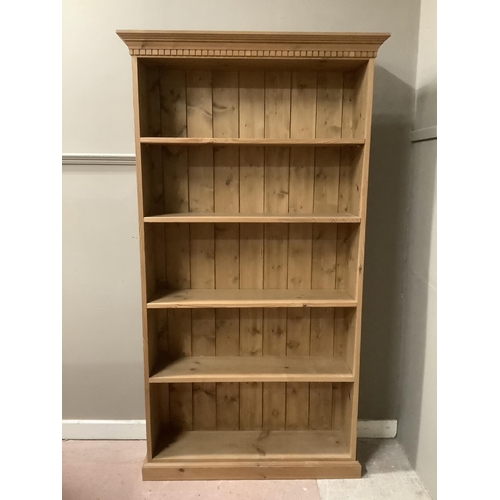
point(418, 412)
point(385, 247)
point(426, 112)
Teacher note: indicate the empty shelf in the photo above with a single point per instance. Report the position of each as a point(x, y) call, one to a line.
point(197, 141)
point(251, 298)
point(200, 446)
point(254, 369)
point(242, 218)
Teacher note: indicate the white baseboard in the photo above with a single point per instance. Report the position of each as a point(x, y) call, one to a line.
point(104, 429)
point(377, 428)
point(136, 429)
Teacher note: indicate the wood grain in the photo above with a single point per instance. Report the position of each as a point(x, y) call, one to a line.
point(329, 105)
point(251, 470)
point(366, 76)
point(180, 395)
point(153, 421)
point(274, 344)
point(227, 339)
point(251, 298)
point(173, 103)
point(175, 181)
point(227, 237)
point(204, 392)
point(241, 218)
point(324, 258)
point(261, 445)
point(320, 396)
point(249, 142)
point(257, 369)
point(178, 256)
point(251, 236)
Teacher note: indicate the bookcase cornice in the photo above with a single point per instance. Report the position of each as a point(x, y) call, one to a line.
point(252, 44)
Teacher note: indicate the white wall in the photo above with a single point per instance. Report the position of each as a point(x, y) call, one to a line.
point(417, 419)
point(102, 355)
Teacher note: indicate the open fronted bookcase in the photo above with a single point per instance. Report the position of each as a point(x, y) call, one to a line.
point(252, 164)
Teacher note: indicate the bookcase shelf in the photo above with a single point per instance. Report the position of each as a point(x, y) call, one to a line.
point(225, 218)
point(245, 445)
point(243, 298)
point(252, 454)
point(252, 171)
point(253, 369)
point(227, 141)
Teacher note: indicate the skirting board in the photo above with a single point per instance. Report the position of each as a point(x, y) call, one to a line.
point(136, 429)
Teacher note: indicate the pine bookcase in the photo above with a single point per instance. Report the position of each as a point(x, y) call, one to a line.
point(252, 172)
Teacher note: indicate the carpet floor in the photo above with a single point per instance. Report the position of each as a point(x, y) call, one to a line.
point(111, 470)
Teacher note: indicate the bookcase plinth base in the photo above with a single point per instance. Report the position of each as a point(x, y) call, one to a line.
point(332, 469)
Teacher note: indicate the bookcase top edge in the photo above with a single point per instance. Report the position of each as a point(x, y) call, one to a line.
point(246, 43)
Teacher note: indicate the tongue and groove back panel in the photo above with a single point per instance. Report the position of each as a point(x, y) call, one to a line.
point(252, 190)
point(252, 179)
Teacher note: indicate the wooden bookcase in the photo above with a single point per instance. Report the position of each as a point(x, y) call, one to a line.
point(252, 169)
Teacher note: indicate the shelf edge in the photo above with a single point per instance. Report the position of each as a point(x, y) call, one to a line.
point(188, 218)
point(203, 141)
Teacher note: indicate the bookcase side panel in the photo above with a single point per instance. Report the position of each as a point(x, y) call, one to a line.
point(364, 105)
point(153, 423)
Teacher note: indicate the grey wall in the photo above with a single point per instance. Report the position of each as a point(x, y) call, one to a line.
point(102, 342)
point(102, 359)
point(417, 419)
